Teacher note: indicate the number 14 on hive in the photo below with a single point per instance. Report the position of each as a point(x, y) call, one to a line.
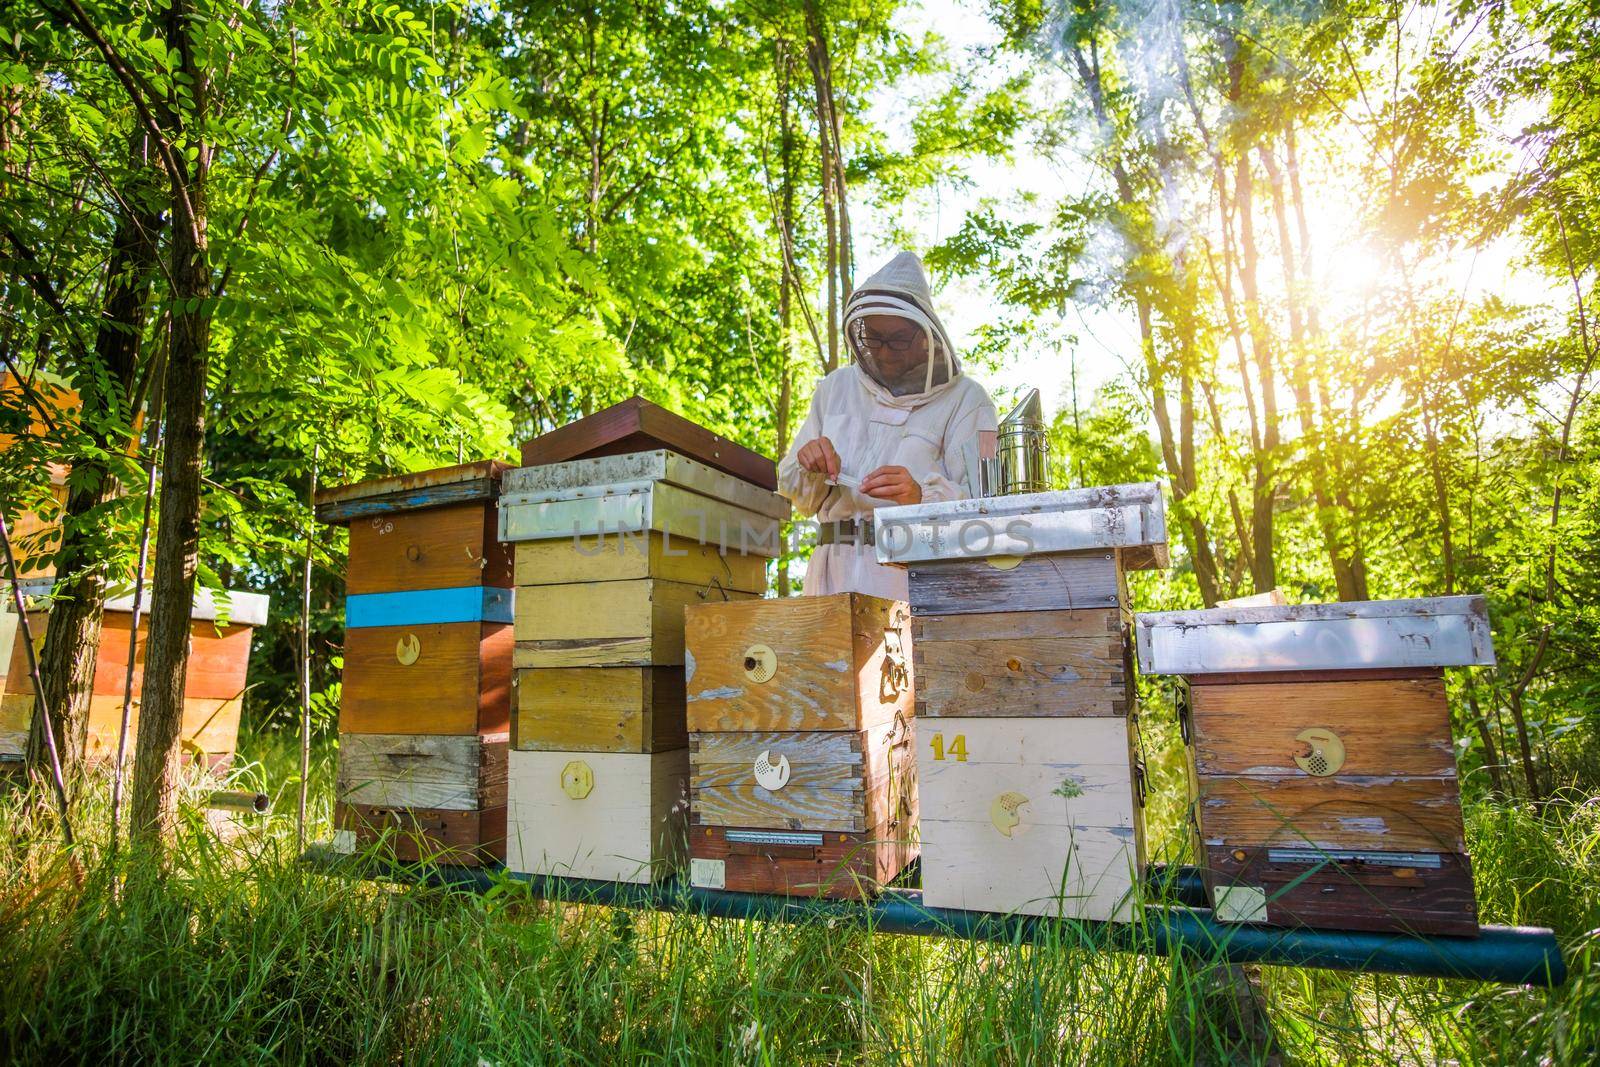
point(1036, 815)
point(957, 749)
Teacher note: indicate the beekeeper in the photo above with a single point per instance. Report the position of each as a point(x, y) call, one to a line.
point(900, 425)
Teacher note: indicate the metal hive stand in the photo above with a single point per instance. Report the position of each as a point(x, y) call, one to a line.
point(1504, 954)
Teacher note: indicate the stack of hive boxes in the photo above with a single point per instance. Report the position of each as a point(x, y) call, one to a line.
point(213, 689)
point(1322, 774)
point(610, 549)
point(802, 745)
point(424, 708)
point(1030, 779)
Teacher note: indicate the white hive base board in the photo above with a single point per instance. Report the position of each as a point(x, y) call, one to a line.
point(629, 825)
point(1037, 816)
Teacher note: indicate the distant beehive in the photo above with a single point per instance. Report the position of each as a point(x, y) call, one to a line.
point(801, 744)
point(1323, 774)
point(1032, 792)
point(35, 535)
point(214, 684)
point(611, 544)
point(426, 696)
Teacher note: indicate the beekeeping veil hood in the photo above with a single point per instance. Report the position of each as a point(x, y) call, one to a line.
point(901, 289)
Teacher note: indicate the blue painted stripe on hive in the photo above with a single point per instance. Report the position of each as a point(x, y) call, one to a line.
point(417, 607)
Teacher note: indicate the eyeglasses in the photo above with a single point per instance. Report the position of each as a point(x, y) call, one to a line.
point(901, 342)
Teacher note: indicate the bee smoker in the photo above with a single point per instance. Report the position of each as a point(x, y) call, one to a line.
point(1022, 464)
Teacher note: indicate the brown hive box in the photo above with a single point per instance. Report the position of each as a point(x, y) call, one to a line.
point(425, 708)
point(214, 683)
point(802, 743)
point(1327, 796)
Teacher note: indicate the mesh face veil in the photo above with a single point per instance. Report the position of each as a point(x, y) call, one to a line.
point(914, 359)
point(906, 360)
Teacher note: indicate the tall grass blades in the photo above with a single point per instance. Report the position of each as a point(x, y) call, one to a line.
point(238, 953)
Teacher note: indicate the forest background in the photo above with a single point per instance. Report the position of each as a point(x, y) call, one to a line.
point(1327, 270)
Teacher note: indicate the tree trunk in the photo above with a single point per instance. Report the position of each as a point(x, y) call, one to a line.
point(105, 383)
point(178, 532)
point(834, 207)
point(786, 288)
point(1312, 436)
point(1263, 562)
point(1173, 451)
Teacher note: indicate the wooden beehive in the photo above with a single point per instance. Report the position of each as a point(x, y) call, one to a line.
point(1323, 778)
point(424, 714)
point(1039, 816)
point(801, 744)
point(1028, 753)
point(612, 816)
point(214, 683)
point(611, 545)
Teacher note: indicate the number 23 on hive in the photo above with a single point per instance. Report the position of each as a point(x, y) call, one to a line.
point(957, 749)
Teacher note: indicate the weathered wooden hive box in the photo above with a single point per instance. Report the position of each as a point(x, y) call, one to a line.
point(220, 631)
point(628, 517)
point(1321, 765)
point(1032, 792)
point(801, 744)
point(425, 706)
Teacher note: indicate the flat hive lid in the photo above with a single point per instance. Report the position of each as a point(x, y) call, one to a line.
point(631, 473)
point(244, 609)
point(637, 425)
point(416, 491)
point(1131, 517)
point(1450, 631)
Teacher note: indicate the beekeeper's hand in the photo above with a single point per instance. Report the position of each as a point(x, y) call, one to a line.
point(820, 457)
point(892, 483)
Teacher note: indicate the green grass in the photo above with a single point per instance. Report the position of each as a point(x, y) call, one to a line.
point(241, 954)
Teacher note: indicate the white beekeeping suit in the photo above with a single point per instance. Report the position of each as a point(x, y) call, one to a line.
point(902, 413)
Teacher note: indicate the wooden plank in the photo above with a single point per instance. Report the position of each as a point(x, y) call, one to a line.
point(219, 661)
point(599, 709)
point(209, 730)
point(1072, 872)
point(653, 554)
point(8, 635)
point(18, 680)
point(1019, 625)
point(1007, 802)
point(395, 493)
point(1433, 897)
point(16, 722)
point(1367, 814)
point(1071, 676)
point(840, 866)
point(455, 773)
point(605, 623)
point(1388, 727)
point(637, 425)
point(630, 827)
point(1071, 580)
point(459, 682)
point(1369, 674)
point(847, 782)
point(831, 664)
point(414, 835)
point(440, 548)
point(417, 607)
